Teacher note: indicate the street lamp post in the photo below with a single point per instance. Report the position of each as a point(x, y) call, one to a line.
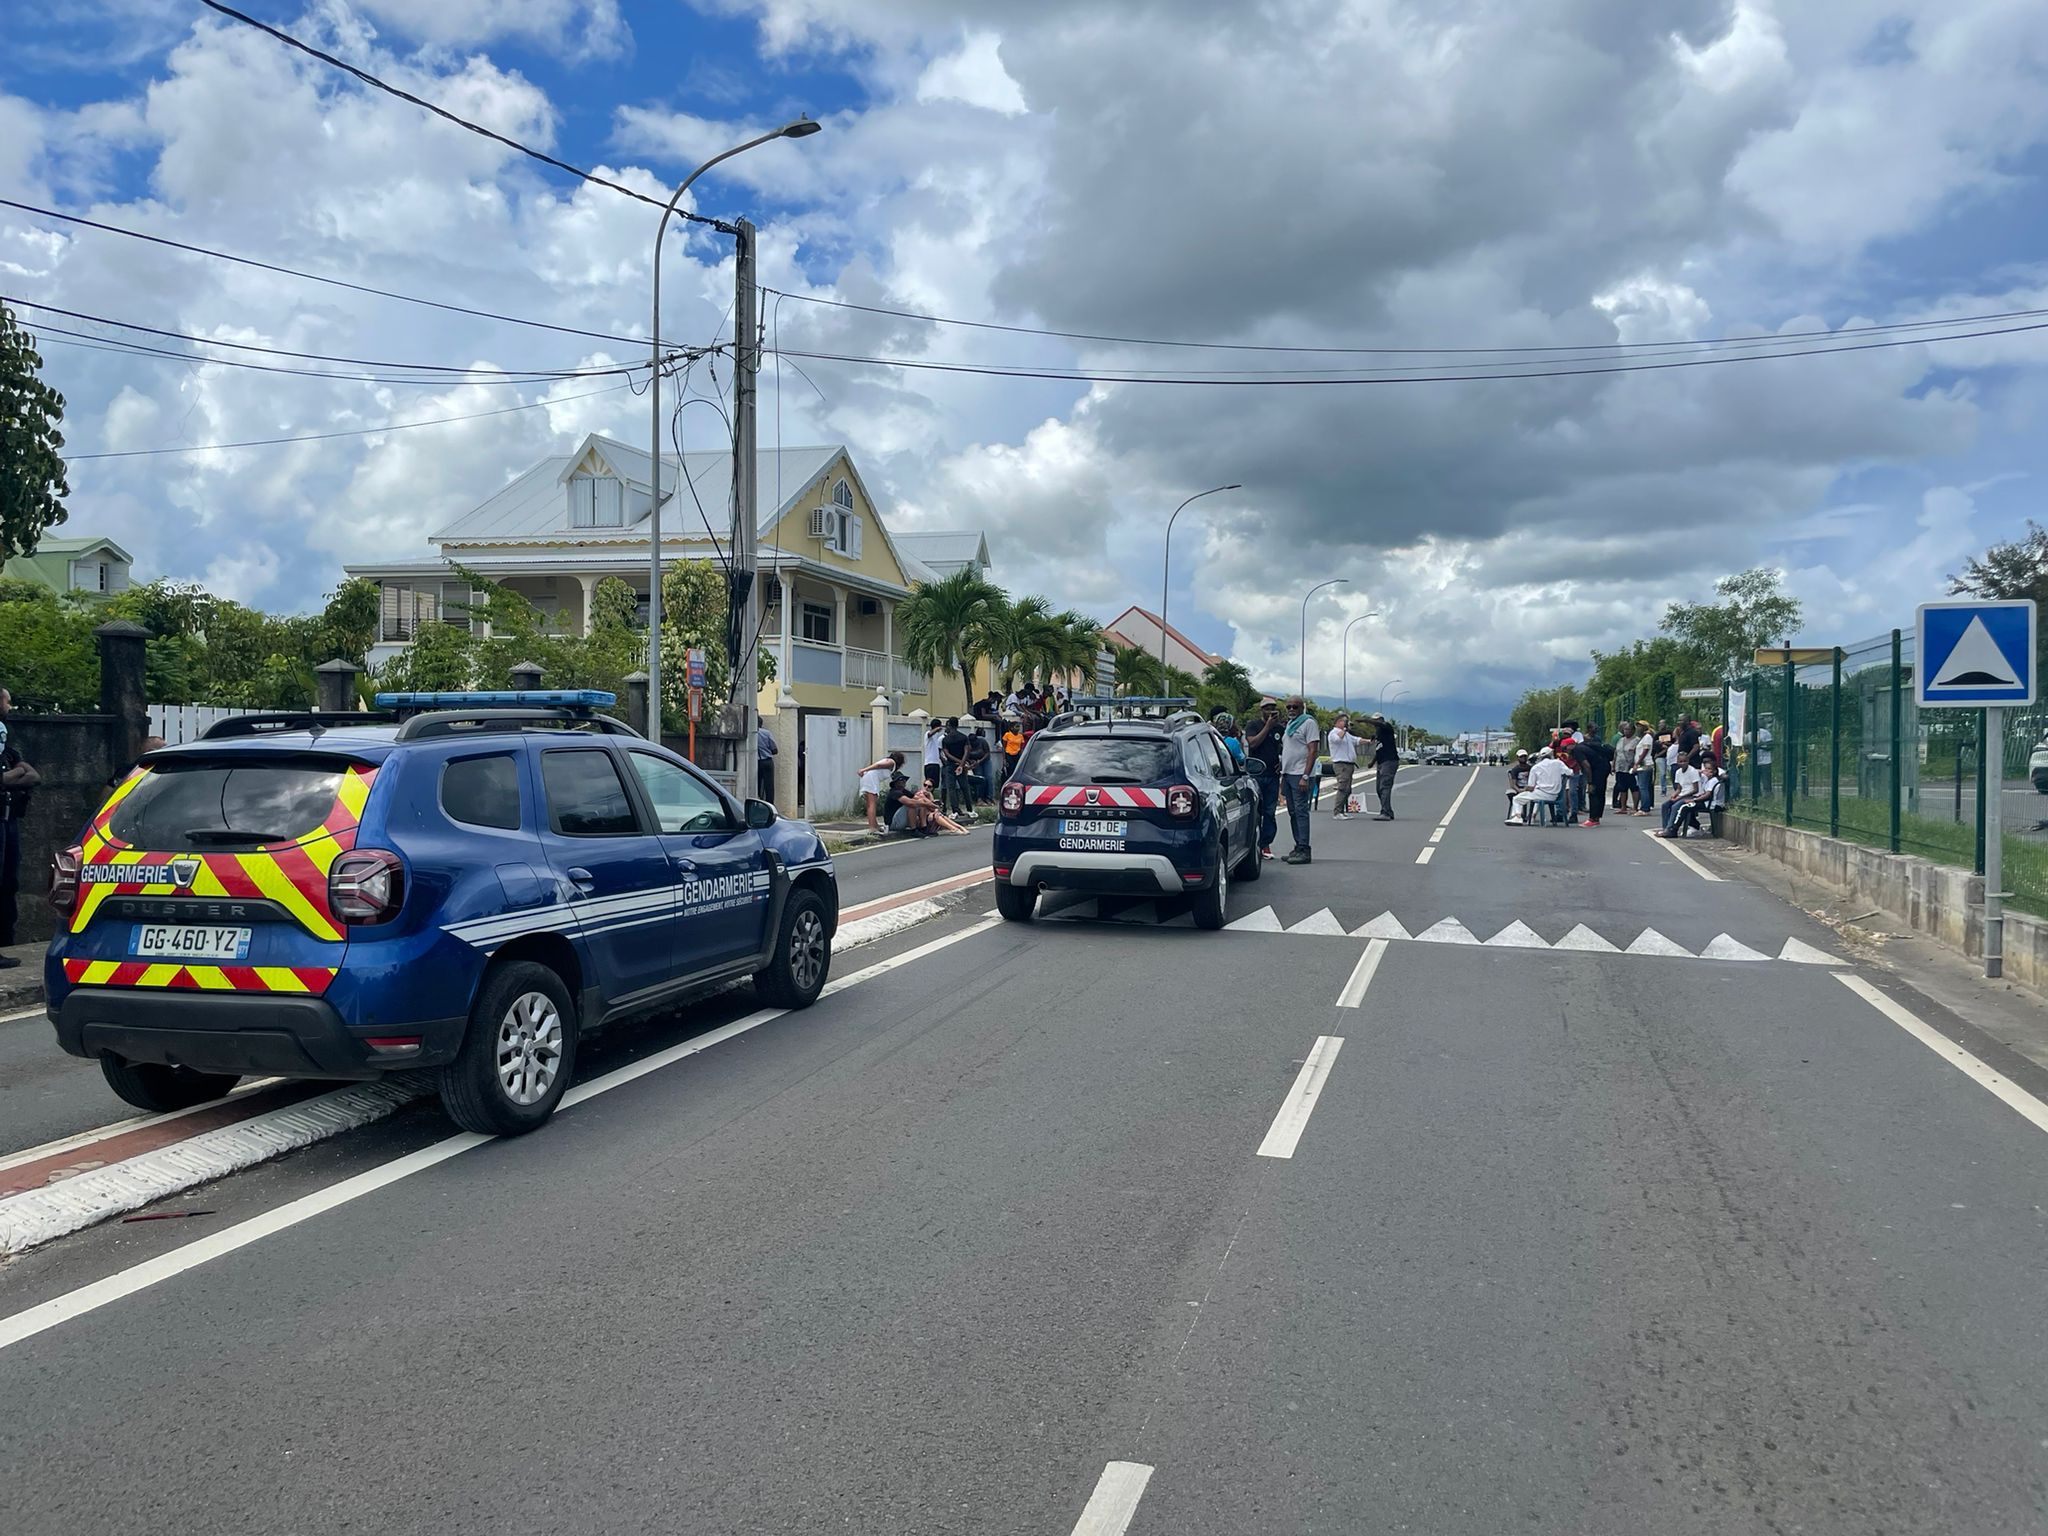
point(1346, 664)
point(1334, 581)
point(1397, 698)
point(1383, 691)
point(803, 127)
point(1166, 563)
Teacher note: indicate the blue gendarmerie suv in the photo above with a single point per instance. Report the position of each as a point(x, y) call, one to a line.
point(1131, 806)
point(466, 882)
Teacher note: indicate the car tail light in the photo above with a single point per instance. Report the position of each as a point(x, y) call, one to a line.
point(1182, 802)
point(1013, 798)
point(366, 886)
point(64, 881)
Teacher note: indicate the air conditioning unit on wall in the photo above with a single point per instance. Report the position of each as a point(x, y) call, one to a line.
point(824, 523)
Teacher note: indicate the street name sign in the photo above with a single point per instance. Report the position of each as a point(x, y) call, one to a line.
point(1975, 653)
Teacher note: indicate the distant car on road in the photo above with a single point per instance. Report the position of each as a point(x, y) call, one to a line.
point(1442, 759)
point(1126, 806)
point(473, 889)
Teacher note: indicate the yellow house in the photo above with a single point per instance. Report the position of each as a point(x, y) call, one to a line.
point(832, 576)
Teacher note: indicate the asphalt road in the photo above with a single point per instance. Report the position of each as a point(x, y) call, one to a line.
point(1569, 1240)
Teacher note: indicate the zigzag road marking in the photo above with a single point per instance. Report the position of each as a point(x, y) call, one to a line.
point(1519, 935)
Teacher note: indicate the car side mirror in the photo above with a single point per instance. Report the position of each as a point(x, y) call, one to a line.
point(760, 814)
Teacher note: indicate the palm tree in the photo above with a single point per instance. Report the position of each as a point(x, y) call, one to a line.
point(1179, 684)
point(1227, 685)
point(1137, 670)
point(1009, 630)
point(949, 623)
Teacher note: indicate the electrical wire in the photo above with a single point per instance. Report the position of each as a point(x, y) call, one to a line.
point(58, 336)
point(1088, 376)
point(1246, 346)
point(321, 437)
point(315, 277)
point(442, 112)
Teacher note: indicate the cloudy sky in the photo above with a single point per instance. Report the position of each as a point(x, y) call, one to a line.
point(1436, 176)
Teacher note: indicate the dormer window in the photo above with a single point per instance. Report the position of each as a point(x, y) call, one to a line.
point(596, 501)
point(842, 496)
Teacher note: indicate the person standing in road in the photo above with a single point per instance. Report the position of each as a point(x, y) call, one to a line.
point(1624, 767)
point(1343, 763)
point(1263, 746)
point(1297, 763)
point(1598, 759)
point(1386, 762)
point(17, 780)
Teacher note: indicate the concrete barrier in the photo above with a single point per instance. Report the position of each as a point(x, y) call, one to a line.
point(1937, 900)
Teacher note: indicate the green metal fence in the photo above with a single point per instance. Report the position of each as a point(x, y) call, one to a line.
point(1840, 747)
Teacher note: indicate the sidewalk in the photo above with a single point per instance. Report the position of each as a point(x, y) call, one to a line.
point(22, 986)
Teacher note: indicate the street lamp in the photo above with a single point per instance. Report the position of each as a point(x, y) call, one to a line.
point(802, 128)
point(1334, 581)
point(1397, 698)
point(1347, 654)
point(1383, 691)
point(1166, 562)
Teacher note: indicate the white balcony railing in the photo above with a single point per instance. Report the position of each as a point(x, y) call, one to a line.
point(867, 669)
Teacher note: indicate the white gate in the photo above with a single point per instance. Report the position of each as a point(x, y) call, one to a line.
point(188, 722)
point(836, 748)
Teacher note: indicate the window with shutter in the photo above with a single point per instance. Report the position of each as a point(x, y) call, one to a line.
point(582, 501)
point(391, 613)
point(853, 522)
point(610, 509)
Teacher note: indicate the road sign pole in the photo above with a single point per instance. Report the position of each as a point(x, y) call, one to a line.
point(1994, 853)
point(1835, 749)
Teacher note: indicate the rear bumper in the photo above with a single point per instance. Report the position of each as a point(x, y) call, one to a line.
point(244, 1034)
point(1066, 870)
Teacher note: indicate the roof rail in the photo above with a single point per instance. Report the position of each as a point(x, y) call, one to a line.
point(1185, 717)
point(460, 722)
point(314, 720)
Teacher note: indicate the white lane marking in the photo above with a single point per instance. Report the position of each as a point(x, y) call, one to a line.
point(1385, 926)
point(1324, 921)
point(1301, 1099)
point(133, 1123)
point(1518, 935)
point(1721, 947)
point(1582, 937)
point(1265, 920)
point(1115, 1499)
point(1799, 952)
point(90, 1298)
point(1362, 974)
point(38, 1216)
point(1437, 836)
point(1670, 846)
point(1651, 942)
point(879, 925)
point(1426, 855)
point(1995, 1083)
point(950, 883)
point(1449, 931)
point(26, 1013)
point(1461, 798)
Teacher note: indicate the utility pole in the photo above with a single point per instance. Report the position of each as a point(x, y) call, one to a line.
point(746, 493)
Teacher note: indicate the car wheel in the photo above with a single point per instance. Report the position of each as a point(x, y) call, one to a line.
point(1017, 903)
point(803, 955)
point(1209, 904)
point(1252, 867)
point(154, 1086)
point(517, 1053)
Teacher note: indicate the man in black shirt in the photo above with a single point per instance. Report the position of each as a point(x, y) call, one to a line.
point(977, 764)
point(1386, 762)
point(1262, 745)
point(1599, 760)
point(953, 761)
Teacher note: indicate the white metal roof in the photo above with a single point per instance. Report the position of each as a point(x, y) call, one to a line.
point(945, 547)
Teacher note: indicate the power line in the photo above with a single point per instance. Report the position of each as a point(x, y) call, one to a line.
point(58, 336)
point(1245, 346)
point(461, 122)
point(1084, 376)
point(315, 277)
point(319, 357)
point(321, 437)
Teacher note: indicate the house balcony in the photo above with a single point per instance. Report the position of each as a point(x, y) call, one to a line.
point(833, 666)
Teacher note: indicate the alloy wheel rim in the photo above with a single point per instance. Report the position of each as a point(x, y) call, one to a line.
point(807, 949)
point(529, 1055)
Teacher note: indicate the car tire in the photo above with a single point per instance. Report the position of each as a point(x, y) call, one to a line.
point(1017, 903)
point(1252, 867)
point(153, 1086)
point(803, 955)
point(1209, 904)
point(517, 1054)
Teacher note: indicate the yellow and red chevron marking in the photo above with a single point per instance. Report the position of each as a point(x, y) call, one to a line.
point(313, 979)
point(294, 874)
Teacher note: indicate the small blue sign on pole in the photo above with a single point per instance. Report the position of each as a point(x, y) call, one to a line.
point(1975, 653)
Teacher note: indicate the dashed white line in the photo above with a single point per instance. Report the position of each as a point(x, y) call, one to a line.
point(28, 1323)
point(1994, 1083)
point(1438, 835)
point(1301, 1099)
point(1362, 974)
point(1115, 1499)
point(1426, 855)
point(1671, 847)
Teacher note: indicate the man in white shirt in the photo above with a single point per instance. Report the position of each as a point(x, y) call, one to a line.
point(1344, 761)
point(934, 745)
point(1546, 783)
point(1685, 789)
point(1297, 762)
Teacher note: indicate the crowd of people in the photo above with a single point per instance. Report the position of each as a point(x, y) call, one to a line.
point(1579, 776)
point(1290, 751)
point(962, 766)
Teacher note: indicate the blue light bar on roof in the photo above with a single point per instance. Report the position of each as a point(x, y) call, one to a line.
point(503, 698)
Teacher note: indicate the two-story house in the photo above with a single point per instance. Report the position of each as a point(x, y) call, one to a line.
point(91, 566)
point(832, 575)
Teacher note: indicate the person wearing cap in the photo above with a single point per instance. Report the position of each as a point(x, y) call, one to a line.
point(1386, 762)
point(1263, 747)
point(1518, 778)
point(1546, 783)
point(1297, 764)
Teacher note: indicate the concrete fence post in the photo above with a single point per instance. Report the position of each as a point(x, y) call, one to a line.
point(787, 725)
point(636, 699)
point(878, 714)
point(124, 690)
point(334, 685)
point(526, 674)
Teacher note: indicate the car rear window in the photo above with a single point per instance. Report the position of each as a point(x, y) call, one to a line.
point(181, 807)
point(1100, 760)
point(482, 791)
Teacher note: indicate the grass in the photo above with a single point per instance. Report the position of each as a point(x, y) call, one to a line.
point(1945, 842)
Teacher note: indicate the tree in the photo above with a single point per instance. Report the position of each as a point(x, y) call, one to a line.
point(695, 605)
point(1725, 636)
point(951, 623)
point(1537, 715)
point(1227, 685)
point(32, 483)
point(1137, 670)
point(1178, 683)
point(348, 624)
point(47, 660)
point(2006, 571)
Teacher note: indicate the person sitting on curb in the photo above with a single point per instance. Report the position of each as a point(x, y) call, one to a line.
point(916, 814)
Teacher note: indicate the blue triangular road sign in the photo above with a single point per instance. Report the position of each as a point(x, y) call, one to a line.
point(1975, 653)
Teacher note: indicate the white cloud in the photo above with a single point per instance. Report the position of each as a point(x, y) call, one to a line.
point(974, 75)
